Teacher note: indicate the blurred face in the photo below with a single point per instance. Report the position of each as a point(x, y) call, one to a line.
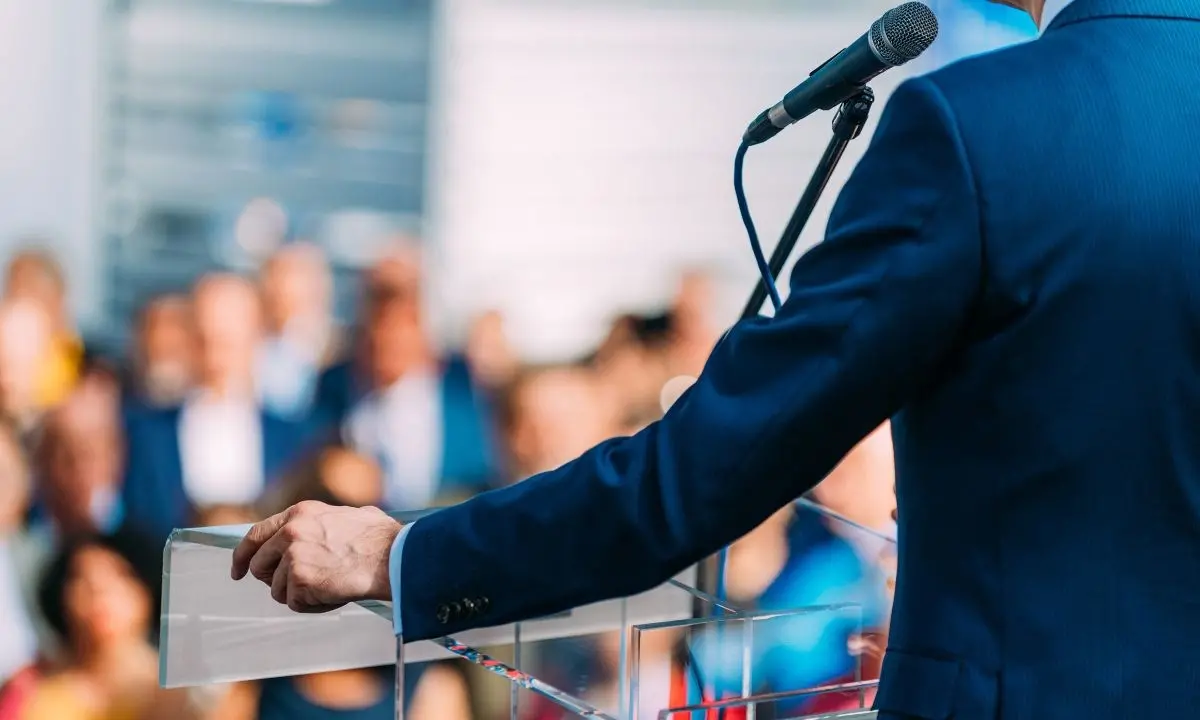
point(558, 415)
point(105, 602)
point(491, 358)
point(351, 478)
point(635, 376)
point(228, 332)
point(29, 279)
point(295, 287)
point(396, 341)
point(83, 459)
point(14, 485)
point(862, 486)
point(166, 346)
point(25, 337)
point(695, 299)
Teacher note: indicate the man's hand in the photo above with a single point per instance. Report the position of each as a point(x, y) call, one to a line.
point(317, 558)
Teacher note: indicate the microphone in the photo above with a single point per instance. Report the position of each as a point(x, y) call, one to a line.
point(901, 35)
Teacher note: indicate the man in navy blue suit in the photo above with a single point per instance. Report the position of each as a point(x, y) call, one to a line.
point(1012, 274)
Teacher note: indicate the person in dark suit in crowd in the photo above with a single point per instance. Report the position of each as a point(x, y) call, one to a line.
point(218, 447)
point(419, 416)
point(1012, 275)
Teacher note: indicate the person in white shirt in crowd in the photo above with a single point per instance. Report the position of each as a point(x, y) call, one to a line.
point(398, 401)
point(219, 447)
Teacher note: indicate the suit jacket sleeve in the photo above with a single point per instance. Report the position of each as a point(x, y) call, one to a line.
point(874, 315)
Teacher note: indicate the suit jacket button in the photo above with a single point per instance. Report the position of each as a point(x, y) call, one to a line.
point(470, 607)
point(482, 604)
point(443, 614)
point(456, 611)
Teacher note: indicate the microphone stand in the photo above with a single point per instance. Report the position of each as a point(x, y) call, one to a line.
point(847, 124)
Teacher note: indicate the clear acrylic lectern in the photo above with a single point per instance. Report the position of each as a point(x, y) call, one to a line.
point(674, 653)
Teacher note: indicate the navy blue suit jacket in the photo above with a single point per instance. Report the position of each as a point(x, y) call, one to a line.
point(1013, 275)
point(468, 463)
point(153, 496)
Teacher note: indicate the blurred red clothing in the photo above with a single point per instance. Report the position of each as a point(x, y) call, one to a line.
point(16, 693)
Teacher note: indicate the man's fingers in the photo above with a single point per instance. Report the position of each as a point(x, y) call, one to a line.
point(265, 561)
point(254, 539)
point(280, 580)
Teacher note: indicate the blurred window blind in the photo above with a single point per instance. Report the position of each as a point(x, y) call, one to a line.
point(316, 109)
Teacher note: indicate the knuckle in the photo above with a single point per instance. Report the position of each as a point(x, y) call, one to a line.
point(301, 576)
point(308, 507)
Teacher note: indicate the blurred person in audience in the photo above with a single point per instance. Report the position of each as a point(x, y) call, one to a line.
point(335, 475)
point(694, 331)
point(164, 352)
point(862, 487)
point(101, 594)
point(35, 275)
point(301, 336)
point(218, 447)
point(490, 356)
point(437, 692)
point(20, 560)
point(80, 461)
point(419, 416)
point(552, 414)
point(26, 335)
point(634, 362)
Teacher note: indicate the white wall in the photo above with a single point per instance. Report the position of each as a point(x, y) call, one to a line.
point(584, 151)
point(48, 82)
point(582, 155)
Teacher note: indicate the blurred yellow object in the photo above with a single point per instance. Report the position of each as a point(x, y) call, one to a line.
point(67, 697)
point(60, 372)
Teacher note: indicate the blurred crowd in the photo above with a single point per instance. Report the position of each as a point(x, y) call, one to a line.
point(242, 395)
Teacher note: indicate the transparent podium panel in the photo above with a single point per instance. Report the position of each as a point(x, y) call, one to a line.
point(676, 668)
point(809, 646)
point(584, 674)
point(805, 658)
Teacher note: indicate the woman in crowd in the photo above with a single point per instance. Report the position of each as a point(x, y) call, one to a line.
point(100, 593)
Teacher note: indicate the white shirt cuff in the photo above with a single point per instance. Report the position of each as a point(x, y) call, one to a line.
point(394, 560)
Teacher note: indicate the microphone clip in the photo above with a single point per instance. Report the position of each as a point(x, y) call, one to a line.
point(853, 113)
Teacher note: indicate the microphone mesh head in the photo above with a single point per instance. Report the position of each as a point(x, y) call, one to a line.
point(903, 33)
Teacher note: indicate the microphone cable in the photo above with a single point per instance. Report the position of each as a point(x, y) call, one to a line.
point(764, 270)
